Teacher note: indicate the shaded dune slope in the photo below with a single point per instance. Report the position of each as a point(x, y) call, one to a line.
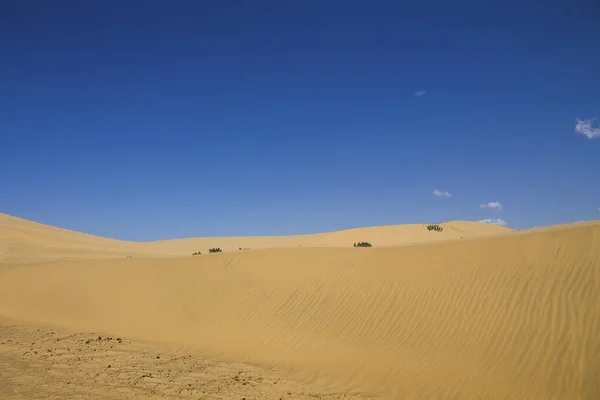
point(513, 316)
point(26, 241)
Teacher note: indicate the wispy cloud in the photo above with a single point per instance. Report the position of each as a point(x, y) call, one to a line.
point(441, 193)
point(584, 127)
point(495, 205)
point(420, 93)
point(494, 221)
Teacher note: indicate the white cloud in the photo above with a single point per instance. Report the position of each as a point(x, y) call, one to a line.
point(440, 193)
point(495, 205)
point(420, 93)
point(494, 221)
point(584, 126)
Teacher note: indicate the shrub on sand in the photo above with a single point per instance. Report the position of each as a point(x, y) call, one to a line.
point(434, 227)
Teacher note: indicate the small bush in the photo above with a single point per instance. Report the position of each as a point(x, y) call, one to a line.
point(363, 244)
point(214, 250)
point(197, 253)
point(434, 227)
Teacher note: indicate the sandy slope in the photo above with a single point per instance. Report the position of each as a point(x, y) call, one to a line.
point(27, 241)
point(508, 316)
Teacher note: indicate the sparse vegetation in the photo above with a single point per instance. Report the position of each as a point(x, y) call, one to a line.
point(363, 244)
point(197, 253)
point(243, 248)
point(215, 250)
point(434, 227)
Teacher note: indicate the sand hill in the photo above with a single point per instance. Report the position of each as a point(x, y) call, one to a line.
point(26, 241)
point(495, 315)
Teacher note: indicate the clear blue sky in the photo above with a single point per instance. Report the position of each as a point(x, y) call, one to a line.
point(146, 120)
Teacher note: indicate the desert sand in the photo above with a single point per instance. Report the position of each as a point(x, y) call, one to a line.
point(26, 241)
point(474, 312)
point(48, 363)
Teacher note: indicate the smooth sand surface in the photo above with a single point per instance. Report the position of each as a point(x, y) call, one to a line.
point(498, 315)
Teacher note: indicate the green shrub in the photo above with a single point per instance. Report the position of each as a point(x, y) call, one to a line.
point(363, 244)
point(433, 227)
point(197, 253)
point(214, 250)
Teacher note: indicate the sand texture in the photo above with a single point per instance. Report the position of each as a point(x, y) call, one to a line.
point(47, 363)
point(495, 315)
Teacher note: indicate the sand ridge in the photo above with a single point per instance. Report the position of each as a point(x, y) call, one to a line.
point(505, 316)
point(23, 241)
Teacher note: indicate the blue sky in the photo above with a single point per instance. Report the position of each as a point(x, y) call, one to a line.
point(145, 120)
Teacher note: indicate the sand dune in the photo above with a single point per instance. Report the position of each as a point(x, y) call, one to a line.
point(26, 241)
point(504, 316)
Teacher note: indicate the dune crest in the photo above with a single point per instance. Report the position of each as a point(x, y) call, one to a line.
point(507, 316)
point(24, 241)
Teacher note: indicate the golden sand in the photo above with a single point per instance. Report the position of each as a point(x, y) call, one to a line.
point(476, 311)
